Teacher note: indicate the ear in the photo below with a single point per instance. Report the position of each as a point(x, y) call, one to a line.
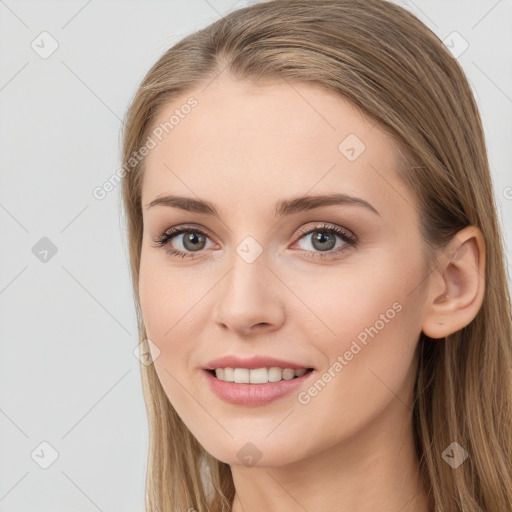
point(456, 287)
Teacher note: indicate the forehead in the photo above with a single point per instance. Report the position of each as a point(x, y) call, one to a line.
point(268, 142)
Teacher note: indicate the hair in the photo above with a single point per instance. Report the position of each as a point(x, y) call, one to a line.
point(394, 69)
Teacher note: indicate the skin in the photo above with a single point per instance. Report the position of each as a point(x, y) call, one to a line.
point(243, 148)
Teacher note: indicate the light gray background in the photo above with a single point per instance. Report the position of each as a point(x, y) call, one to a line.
point(68, 374)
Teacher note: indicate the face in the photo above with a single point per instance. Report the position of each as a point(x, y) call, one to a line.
point(334, 288)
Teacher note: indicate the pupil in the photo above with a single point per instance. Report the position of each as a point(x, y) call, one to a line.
point(192, 238)
point(321, 237)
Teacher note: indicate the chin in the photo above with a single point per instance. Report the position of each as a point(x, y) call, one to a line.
point(255, 453)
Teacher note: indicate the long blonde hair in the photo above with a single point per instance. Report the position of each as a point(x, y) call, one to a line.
point(398, 72)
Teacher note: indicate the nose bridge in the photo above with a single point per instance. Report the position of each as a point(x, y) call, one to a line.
point(248, 295)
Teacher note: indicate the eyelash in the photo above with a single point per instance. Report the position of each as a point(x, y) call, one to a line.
point(350, 240)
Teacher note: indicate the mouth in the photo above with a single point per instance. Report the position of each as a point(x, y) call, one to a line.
point(256, 386)
point(258, 375)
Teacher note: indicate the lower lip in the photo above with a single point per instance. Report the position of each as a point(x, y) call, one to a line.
point(254, 394)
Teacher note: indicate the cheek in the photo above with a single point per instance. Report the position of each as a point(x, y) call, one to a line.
point(369, 349)
point(345, 300)
point(367, 320)
point(173, 309)
point(152, 300)
point(164, 311)
point(166, 297)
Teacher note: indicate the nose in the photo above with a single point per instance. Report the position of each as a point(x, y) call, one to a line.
point(249, 299)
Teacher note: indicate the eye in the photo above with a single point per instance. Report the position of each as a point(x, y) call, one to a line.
point(193, 240)
point(324, 240)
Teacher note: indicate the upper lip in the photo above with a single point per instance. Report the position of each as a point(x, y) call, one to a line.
point(252, 363)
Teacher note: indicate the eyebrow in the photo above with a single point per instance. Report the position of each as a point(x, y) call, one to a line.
point(281, 208)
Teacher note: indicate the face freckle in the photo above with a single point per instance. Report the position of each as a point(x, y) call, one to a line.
point(254, 288)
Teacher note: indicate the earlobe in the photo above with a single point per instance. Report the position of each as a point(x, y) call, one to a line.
point(456, 288)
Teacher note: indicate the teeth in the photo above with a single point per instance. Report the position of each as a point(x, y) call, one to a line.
point(258, 375)
point(241, 375)
point(275, 374)
point(288, 374)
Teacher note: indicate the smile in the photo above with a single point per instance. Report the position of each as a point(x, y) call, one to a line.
point(246, 393)
point(258, 375)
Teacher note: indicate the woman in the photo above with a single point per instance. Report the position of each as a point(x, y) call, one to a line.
point(318, 268)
